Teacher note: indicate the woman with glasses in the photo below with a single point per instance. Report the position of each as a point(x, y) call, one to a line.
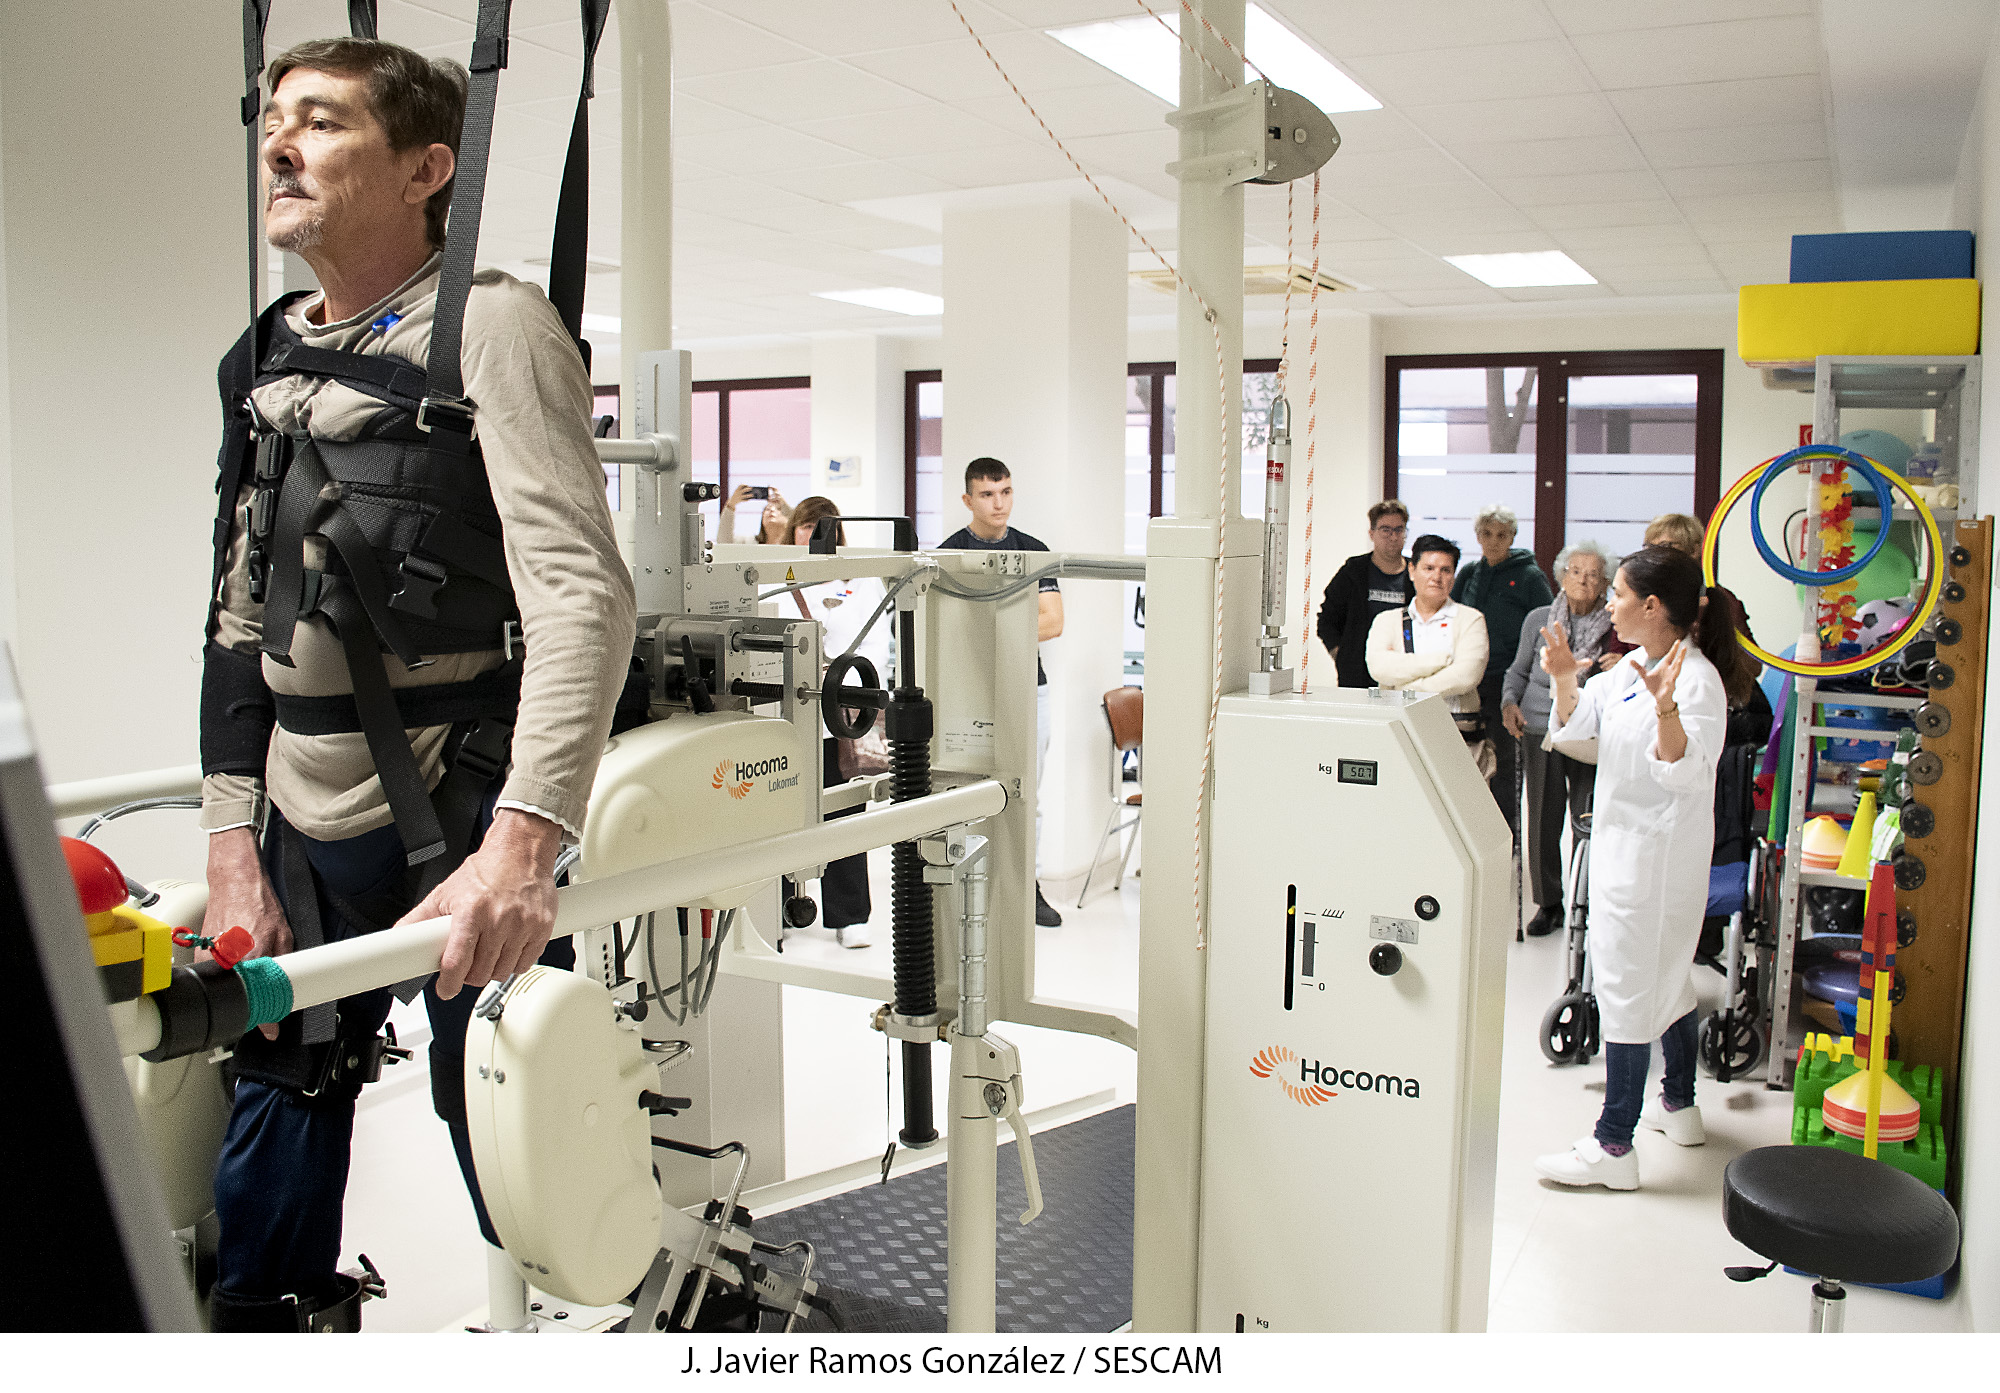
point(1376, 581)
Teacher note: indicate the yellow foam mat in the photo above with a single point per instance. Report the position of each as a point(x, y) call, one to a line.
point(1793, 324)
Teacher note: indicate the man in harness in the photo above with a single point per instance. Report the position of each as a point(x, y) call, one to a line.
point(419, 628)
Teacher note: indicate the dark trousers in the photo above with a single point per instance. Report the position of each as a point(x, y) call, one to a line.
point(1505, 748)
point(1558, 788)
point(281, 1179)
point(843, 888)
point(1625, 1069)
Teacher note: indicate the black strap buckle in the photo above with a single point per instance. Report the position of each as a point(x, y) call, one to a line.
point(422, 579)
point(259, 568)
point(362, 1062)
point(274, 452)
point(484, 752)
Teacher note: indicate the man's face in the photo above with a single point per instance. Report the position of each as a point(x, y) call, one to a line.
point(991, 503)
point(1387, 533)
point(329, 177)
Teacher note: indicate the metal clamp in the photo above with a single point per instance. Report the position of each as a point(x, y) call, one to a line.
point(920, 1030)
point(493, 1002)
point(997, 1064)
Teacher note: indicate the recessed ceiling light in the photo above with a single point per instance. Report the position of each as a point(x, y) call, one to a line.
point(1513, 270)
point(888, 297)
point(1142, 51)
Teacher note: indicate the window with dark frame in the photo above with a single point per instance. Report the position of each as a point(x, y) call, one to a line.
point(1587, 445)
point(755, 431)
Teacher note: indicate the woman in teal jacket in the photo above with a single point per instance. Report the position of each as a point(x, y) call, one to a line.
point(1504, 584)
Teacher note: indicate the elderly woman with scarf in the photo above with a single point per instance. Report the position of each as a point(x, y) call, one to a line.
point(1554, 781)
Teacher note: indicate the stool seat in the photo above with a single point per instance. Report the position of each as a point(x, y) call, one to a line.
point(1838, 1215)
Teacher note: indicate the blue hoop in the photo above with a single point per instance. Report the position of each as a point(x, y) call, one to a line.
point(1884, 500)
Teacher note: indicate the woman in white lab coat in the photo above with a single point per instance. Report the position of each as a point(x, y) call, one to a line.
point(1658, 718)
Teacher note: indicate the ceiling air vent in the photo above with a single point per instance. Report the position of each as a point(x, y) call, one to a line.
point(1257, 280)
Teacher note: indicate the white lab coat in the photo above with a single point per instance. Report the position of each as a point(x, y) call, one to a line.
point(1652, 836)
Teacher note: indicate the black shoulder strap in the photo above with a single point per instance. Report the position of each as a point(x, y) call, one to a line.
point(256, 13)
point(468, 192)
point(567, 262)
point(361, 19)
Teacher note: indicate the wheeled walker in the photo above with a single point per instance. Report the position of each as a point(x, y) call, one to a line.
point(1569, 1028)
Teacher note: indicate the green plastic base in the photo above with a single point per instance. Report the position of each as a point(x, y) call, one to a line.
point(1923, 1156)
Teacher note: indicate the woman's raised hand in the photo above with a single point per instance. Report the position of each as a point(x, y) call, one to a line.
point(1559, 660)
point(1660, 680)
point(739, 494)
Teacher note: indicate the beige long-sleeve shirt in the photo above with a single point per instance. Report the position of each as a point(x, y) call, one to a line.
point(1450, 654)
point(532, 403)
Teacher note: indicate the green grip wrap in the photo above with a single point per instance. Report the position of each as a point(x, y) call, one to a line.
point(269, 991)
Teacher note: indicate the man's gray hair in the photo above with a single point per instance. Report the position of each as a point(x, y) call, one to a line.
point(1587, 547)
point(1496, 512)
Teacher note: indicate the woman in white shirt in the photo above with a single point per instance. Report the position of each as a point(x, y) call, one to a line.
point(1434, 644)
point(1659, 719)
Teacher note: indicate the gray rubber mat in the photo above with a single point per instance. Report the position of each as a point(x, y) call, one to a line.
point(882, 1247)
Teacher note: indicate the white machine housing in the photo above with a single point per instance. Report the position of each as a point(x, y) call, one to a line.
point(1351, 1114)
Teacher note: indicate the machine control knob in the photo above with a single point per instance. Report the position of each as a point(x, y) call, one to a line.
point(1427, 909)
point(1386, 959)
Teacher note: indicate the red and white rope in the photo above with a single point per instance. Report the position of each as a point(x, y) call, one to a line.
point(1222, 419)
point(1312, 439)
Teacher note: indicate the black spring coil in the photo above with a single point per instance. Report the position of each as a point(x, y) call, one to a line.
point(910, 898)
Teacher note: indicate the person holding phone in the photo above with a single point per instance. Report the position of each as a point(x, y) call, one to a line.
point(774, 528)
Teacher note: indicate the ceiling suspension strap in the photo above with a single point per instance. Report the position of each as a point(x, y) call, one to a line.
point(256, 14)
point(446, 406)
point(567, 252)
point(361, 19)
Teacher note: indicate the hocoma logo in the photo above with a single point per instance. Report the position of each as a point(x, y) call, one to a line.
point(725, 779)
point(1318, 1081)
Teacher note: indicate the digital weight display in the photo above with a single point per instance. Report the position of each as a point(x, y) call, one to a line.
point(1356, 771)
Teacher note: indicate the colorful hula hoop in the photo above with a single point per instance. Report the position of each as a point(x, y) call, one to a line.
point(1902, 638)
point(1868, 470)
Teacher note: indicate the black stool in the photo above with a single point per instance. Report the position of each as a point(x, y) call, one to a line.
point(1839, 1215)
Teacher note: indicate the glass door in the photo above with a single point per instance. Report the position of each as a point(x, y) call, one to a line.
point(1631, 456)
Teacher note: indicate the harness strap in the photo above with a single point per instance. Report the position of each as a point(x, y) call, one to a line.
point(468, 193)
point(361, 19)
point(256, 13)
point(382, 376)
point(382, 727)
point(316, 1022)
point(482, 756)
point(567, 263)
point(491, 694)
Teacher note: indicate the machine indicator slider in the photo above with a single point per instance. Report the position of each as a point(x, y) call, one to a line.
point(1291, 938)
point(1306, 950)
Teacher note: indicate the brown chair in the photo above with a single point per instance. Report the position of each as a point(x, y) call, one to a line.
point(1125, 713)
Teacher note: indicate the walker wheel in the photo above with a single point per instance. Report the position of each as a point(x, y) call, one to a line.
point(1729, 1046)
point(1569, 1029)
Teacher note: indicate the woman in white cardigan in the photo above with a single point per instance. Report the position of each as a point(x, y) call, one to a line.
point(1435, 644)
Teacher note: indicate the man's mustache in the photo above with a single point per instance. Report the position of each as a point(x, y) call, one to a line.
point(283, 181)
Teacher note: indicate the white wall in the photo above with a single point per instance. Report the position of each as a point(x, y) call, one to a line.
point(857, 411)
point(124, 282)
point(1977, 206)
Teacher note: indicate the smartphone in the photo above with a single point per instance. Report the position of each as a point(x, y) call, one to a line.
point(760, 491)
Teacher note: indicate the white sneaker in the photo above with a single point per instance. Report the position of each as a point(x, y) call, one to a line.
point(853, 936)
point(1683, 1127)
point(1587, 1163)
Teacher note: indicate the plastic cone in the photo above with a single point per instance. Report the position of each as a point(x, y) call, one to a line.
point(1855, 860)
point(1846, 1109)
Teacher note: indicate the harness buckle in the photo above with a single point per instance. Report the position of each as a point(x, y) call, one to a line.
point(510, 635)
point(259, 568)
point(484, 751)
point(274, 452)
point(454, 414)
point(422, 579)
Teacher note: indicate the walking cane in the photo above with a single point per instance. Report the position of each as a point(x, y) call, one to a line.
point(1520, 819)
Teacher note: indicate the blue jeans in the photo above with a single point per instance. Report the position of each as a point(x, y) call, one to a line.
point(1625, 1080)
point(281, 1179)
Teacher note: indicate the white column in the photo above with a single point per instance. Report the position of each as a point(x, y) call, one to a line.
point(1183, 552)
point(1034, 374)
point(857, 415)
point(125, 280)
point(1347, 465)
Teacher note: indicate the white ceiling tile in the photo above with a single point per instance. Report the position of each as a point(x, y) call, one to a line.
point(839, 29)
point(1733, 49)
point(928, 130)
point(1737, 207)
point(1579, 188)
point(1798, 140)
point(1724, 228)
point(706, 42)
point(958, 71)
point(1637, 213)
point(1357, 28)
point(849, 183)
point(1142, 156)
point(1460, 195)
point(1103, 109)
point(1540, 69)
point(1711, 105)
point(1420, 273)
point(1708, 286)
point(1610, 16)
point(1470, 295)
point(794, 92)
point(1764, 260)
point(401, 23)
point(1013, 163)
point(1477, 238)
point(1395, 169)
point(1516, 159)
point(752, 148)
point(1668, 235)
point(1377, 132)
point(1518, 118)
point(1677, 263)
point(1533, 293)
point(1777, 177)
point(1434, 229)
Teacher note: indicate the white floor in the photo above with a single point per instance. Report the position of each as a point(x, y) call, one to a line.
point(1562, 1260)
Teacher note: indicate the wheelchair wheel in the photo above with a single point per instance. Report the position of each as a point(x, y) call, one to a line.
point(1569, 1029)
point(1729, 1046)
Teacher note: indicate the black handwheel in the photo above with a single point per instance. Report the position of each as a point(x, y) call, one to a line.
point(1563, 1030)
point(830, 707)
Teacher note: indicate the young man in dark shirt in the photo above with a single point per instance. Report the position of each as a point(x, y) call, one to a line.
point(1362, 588)
point(989, 497)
